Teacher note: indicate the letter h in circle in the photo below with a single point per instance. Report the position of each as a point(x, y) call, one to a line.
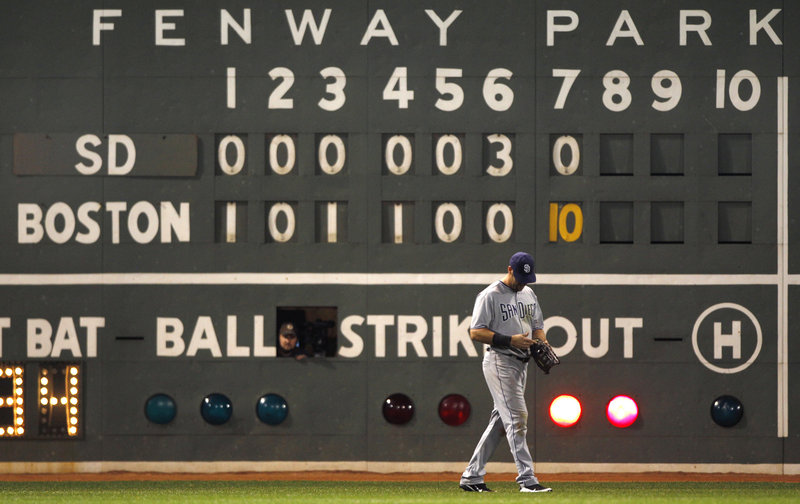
point(733, 340)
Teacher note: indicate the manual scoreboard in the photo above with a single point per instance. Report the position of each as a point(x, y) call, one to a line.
point(178, 180)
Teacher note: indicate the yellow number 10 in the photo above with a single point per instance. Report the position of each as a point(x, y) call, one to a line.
point(559, 220)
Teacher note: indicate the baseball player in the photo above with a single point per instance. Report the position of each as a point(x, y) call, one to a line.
point(505, 316)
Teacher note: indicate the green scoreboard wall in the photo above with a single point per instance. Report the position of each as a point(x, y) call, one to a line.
point(178, 176)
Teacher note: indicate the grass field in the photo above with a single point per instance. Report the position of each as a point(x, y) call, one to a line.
point(225, 492)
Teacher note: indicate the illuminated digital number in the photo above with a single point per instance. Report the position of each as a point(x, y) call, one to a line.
point(60, 387)
point(12, 404)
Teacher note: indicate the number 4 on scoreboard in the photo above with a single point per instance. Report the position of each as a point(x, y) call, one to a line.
point(397, 88)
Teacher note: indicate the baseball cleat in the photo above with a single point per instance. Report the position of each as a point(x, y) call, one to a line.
point(480, 487)
point(535, 488)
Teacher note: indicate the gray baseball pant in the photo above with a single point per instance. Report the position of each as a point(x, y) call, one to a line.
point(506, 377)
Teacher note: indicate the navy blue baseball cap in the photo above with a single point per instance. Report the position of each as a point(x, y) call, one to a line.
point(522, 265)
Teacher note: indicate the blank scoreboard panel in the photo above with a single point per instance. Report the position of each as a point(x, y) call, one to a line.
point(178, 180)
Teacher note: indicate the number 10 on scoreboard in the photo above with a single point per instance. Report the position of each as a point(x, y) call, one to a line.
point(566, 222)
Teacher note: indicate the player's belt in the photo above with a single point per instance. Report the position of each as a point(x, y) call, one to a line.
point(521, 359)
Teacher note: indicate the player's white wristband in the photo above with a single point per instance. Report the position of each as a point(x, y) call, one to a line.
point(501, 340)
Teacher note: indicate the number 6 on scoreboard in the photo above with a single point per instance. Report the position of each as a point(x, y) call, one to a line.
point(497, 95)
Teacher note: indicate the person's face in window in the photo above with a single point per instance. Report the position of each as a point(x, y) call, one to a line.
point(288, 341)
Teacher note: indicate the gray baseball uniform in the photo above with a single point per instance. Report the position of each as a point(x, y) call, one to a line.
point(503, 310)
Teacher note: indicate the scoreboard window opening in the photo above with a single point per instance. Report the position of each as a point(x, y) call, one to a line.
point(447, 222)
point(230, 221)
point(397, 222)
point(498, 154)
point(281, 154)
point(231, 154)
point(499, 219)
point(616, 154)
point(281, 223)
point(330, 222)
point(398, 154)
point(735, 222)
point(315, 327)
point(666, 154)
point(616, 222)
point(331, 153)
point(447, 154)
point(666, 222)
point(735, 154)
point(565, 156)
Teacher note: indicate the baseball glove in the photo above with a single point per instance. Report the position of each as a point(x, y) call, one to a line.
point(544, 356)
